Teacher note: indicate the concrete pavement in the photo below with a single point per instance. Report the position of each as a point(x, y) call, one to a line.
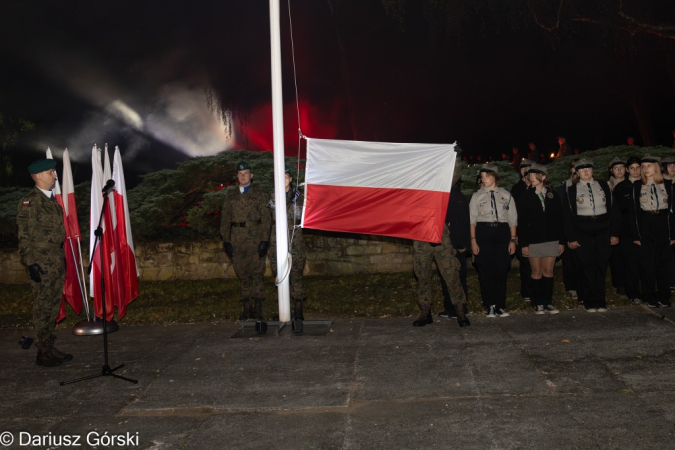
point(575, 380)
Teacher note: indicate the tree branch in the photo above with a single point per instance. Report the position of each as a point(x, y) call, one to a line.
point(541, 25)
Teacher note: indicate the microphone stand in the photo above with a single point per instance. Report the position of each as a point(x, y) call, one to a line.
point(106, 371)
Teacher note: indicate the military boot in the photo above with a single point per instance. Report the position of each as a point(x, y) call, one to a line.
point(297, 310)
point(58, 353)
point(462, 320)
point(424, 318)
point(247, 313)
point(257, 311)
point(45, 356)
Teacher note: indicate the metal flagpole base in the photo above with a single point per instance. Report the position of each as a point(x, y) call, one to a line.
point(93, 327)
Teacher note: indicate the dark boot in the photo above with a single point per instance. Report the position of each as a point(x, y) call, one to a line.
point(45, 357)
point(424, 318)
point(462, 320)
point(58, 353)
point(247, 313)
point(257, 311)
point(297, 310)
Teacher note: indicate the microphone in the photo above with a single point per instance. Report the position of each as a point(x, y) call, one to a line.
point(108, 186)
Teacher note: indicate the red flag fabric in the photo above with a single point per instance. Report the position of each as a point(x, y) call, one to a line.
point(108, 245)
point(124, 237)
point(73, 285)
point(388, 189)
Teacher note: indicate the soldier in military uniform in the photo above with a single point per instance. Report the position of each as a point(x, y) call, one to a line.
point(448, 265)
point(294, 201)
point(245, 229)
point(41, 236)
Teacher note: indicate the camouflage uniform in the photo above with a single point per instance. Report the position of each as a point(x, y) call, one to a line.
point(448, 265)
point(245, 223)
point(294, 200)
point(41, 237)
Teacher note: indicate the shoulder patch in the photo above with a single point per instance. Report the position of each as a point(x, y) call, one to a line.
point(26, 203)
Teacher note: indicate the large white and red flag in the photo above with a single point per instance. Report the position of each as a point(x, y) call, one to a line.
point(74, 284)
point(389, 189)
point(124, 237)
point(108, 245)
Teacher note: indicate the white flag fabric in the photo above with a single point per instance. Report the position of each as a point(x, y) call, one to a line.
point(127, 258)
point(389, 189)
point(108, 244)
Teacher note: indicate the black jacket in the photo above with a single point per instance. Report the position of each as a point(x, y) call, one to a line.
point(571, 224)
point(536, 225)
point(623, 194)
point(635, 212)
point(457, 218)
point(518, 189)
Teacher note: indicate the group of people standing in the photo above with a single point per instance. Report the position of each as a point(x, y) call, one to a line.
point(627, 222)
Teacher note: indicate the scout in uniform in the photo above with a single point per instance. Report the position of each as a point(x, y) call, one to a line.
point(493, 218)
point(652, 222)
point(617, 172)
point(540, 234)
point(592, 226)
point(41, 235)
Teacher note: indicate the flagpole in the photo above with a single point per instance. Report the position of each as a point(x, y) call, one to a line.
point(279, 171)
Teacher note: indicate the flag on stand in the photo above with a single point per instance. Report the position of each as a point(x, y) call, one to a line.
point(74, 284)
point(126, 241)
point(389, 189)
point(108, 245)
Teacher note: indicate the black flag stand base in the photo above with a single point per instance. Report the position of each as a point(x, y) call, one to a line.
point(106, 371)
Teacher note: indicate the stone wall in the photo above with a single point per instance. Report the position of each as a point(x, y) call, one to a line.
point(327, 254)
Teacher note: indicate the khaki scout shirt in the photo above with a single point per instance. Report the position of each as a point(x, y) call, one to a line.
point(593, 202)
point(40, 226)
point(481, 208)
point(653, 197)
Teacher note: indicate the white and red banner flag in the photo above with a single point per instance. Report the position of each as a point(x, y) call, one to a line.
point(108, 244)
point(388, 189)
point(73, 285)
point(124, 237)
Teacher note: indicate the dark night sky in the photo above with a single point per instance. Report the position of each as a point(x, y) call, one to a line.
point(134, 73)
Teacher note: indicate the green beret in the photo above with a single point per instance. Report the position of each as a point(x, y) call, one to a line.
point(41, 165)
point(243, 165)
point(526, 163)
point(288, 171)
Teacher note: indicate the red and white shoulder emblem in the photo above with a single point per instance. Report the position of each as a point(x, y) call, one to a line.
point(26, 203)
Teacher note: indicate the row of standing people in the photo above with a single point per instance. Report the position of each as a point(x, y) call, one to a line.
point(584, 221)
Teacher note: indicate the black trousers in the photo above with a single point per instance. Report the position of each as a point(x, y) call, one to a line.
point(593, 256)
point(447, 302)
point(617, 267)
point(631, 266)
point(571, 274)
point(655, 258)
point(525, 273)
point(493, 262)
